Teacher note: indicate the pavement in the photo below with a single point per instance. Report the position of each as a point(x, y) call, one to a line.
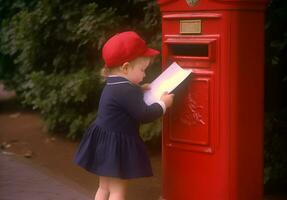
point(20, 180)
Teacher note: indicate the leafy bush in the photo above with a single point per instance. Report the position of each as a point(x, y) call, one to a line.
point(7, 10)
point(275, 172)
point(66, 101)
point(276, 95)
point(55, 46)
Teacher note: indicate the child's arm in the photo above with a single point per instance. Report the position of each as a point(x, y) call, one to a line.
point(132, 101)
point(166, 99)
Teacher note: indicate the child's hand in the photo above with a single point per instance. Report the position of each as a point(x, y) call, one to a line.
point(145, 87)
point(167, 99)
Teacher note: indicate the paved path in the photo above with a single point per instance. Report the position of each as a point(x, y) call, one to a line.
point(20, 180)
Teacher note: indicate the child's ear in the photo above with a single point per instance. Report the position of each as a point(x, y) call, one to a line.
point(124, 68)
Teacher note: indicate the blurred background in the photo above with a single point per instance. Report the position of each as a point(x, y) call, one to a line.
point(49, 74)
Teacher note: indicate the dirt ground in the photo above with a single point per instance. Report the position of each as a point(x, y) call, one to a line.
point(23, 133)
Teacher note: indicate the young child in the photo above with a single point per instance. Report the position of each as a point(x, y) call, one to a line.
point(111, 146)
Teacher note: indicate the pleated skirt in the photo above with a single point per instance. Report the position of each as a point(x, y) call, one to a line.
point(113, 154)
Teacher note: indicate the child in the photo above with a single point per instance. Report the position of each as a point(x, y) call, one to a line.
point(111, 146)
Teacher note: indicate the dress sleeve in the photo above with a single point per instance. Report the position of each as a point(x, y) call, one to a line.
point(131, 99)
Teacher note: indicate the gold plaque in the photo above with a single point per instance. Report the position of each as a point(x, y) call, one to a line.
point(190, 26)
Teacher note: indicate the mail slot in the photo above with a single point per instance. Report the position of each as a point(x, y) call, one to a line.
point(196, 51)
point(191, 50)
point(212, 140)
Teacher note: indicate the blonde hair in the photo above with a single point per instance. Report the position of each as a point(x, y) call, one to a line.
point(106, 71)
point(141, 59)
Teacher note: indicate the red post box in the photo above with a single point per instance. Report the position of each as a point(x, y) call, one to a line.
point(213, 134)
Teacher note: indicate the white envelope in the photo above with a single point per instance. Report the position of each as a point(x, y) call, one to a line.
point(167, 81)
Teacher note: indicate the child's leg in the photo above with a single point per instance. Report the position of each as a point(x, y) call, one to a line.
point(103, 190)
point(117, 188)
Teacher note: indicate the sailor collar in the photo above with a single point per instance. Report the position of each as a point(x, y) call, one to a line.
point(115, 80)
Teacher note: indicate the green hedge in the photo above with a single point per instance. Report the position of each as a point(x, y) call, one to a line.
point(276, 96)
point(56, 49)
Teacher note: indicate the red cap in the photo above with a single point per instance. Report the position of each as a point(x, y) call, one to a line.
point(124, 47)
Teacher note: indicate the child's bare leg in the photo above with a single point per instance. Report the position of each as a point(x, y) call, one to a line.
point(117, 188)
point(103, 190)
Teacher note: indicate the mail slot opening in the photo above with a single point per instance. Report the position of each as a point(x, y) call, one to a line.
point(193, 50)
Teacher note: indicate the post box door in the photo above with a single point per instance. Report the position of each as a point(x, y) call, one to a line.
point(190, 129)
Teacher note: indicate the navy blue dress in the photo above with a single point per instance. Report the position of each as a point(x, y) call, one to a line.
point(111, 146)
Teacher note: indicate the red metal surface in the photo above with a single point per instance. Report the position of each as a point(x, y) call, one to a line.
point(208, 5)
point(213, 135)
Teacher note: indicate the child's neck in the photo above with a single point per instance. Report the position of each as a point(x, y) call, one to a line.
point(120, 74)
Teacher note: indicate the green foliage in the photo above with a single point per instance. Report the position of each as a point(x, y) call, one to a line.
point(151, 130)
point(67, 102)
point(276, 36)
point(275, 172)
point(7, 10)
point(276, 94)
point(55, 47)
